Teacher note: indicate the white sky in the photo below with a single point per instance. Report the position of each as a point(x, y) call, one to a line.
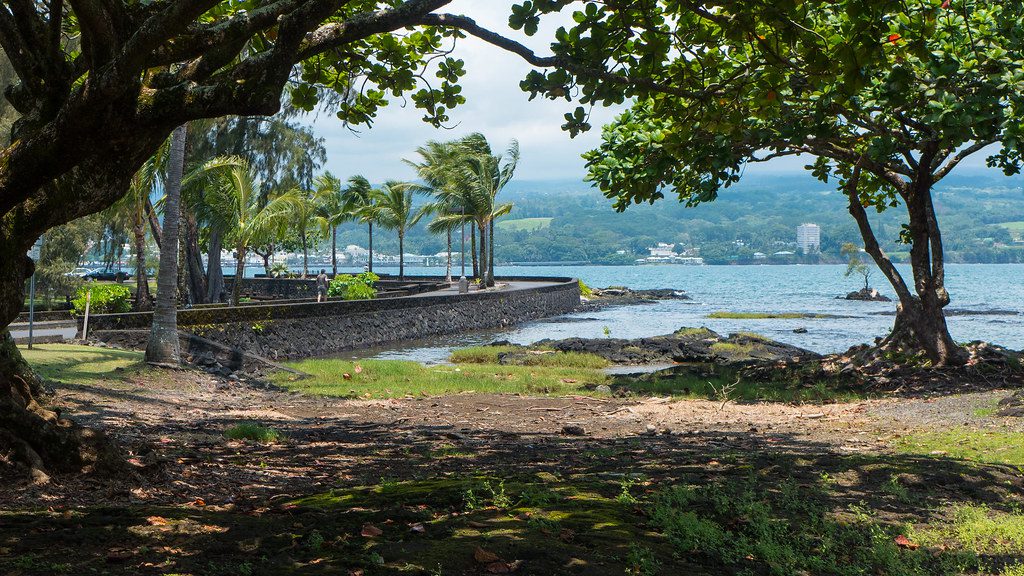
point(495, 106)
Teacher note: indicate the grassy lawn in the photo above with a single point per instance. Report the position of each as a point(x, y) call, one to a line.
point(395, 378)
point(79, 364)
point(1016, 229)
point(524, 224)
point(984, 446)
point(538, 373)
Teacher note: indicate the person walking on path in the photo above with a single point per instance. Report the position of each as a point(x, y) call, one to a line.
point(321, 286)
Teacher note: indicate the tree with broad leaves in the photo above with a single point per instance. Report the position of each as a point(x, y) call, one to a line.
point(886, 97)
point(99, 86)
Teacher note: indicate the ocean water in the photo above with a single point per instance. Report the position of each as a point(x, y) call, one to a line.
point(987, 304)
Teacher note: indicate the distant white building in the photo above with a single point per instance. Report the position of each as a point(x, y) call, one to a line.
point(808, 238)
point(662, 250)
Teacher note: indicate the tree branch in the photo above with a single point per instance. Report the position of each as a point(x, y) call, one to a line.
point(871, 245)
point(960, 156)
point(470, 26)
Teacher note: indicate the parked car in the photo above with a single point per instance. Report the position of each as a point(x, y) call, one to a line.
point(80, 272)
point(108, 275)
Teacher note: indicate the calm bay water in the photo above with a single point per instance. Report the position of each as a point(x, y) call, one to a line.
point(989, 288)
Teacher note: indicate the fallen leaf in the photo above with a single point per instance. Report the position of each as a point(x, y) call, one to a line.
point(356, 572)
point(484, 557)
point(568, 381)
point(157, 521)
point(418, 527)
point(199, 502)
point(358, 369)
point(904, 542)
point(566, 535)
point(346, 376)
point(371, 531)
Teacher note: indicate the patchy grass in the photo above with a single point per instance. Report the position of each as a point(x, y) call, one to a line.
point(721, 384)
point(725, 315)
point(528, 357)
point(396, 378)
point(81, 364)
point(976, 445)
point(523, 224)
point(254, 432)
point(977, 528)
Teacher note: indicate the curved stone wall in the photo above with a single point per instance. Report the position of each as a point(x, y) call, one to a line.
point(288, 331)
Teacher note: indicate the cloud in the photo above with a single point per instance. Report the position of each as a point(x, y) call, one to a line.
point(495, 106)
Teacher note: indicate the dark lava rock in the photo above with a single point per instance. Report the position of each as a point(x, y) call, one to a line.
point(689, 345)
point(1012, 405)
point(868, 295)
point(573, 430)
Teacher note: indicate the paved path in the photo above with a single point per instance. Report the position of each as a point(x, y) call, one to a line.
point(66, 329)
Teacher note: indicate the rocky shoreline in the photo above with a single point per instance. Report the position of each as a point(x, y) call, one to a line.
point(623, 296)
point(686, 345)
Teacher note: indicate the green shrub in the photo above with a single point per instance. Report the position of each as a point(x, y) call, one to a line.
point(253, 431)
point(358, 287)
point(106, 299)
point(585, 290)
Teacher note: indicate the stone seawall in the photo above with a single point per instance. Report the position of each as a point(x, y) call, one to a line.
point(289, 331)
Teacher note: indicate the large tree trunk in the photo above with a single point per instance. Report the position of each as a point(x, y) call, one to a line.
point(214, 271)
point(197, 281)
point(236, 286)
point(162, 347)
point(143, 299)
point(920, 324)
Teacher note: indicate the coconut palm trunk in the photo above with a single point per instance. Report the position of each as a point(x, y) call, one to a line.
point(369, 260)
point(448, 269)
point(334, 250)
point(163, 347)
point(401, 255)
point(490, 258)
point(472, 249)
point(305, 255)
point(482, 227)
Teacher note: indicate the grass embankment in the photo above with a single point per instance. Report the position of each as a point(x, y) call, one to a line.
point(725, 315)
point(524, 224)
point(83, 365)
point(985, 446)
point(539, 373)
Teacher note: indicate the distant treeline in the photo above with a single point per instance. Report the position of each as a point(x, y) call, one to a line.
point(982, 217)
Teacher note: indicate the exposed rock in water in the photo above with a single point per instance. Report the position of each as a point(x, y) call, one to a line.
point(620, 295)
point(697, 345)
point(867, 294)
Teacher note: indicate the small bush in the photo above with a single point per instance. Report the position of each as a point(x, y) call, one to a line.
point(106, 299)
point(358, 287)
point(585, 290)
point(254, 432)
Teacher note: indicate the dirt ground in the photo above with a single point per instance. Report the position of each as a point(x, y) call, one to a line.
point(172, 423)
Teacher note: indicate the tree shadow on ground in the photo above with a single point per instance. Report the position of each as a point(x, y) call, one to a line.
point(709, 502)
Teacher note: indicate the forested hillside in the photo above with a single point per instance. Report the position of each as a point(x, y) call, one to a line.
point(982, 214)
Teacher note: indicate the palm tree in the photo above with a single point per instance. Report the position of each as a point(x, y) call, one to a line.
point(333, 210)
point(486, 174)
point(392, 209)
point(232, 203)
point(439, 168)
point(357, 199)
point(307, 213)
point(162, 347)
